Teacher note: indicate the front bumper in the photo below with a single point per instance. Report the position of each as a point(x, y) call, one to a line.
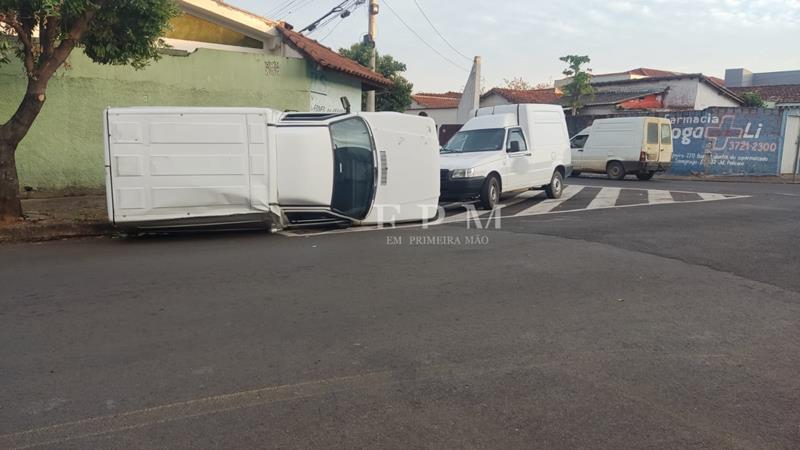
point(459, 189)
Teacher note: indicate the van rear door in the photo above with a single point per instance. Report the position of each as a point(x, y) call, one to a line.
point(665, 154)
point(186, 163)
point(652, 139)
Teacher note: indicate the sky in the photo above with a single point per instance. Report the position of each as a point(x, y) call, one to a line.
point(525, 38)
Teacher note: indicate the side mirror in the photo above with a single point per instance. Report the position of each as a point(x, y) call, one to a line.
point(513, 146)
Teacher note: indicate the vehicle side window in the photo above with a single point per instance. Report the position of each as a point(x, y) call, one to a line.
point(652, 133)
point(515, 135)
point(666, 134)
point(579, 141)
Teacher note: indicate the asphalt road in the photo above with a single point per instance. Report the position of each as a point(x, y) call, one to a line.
point(660, 326)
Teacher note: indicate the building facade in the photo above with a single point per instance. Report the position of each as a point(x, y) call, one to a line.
point(219, 56)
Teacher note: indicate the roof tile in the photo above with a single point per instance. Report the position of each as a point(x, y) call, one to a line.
point(328, 58)
point(787, 93)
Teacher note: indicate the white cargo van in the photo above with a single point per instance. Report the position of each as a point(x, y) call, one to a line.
point(227, 167)
point(506, 148)
point(638, 146)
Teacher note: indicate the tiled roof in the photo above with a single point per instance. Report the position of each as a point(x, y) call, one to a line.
point(444, 100)
point(787, 93)
point(329, 59)
point(646, 72)
point(704, 79)
point(613, 98)
point(546, 96)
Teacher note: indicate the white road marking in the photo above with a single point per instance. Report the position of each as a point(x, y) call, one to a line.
point(656, 197)
point(520, 198)
point(548, 205)
point(710, 196)
point(606, 198)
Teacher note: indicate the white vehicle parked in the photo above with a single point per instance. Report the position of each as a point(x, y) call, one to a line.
point(227, 167)
point(507, 148)
point(638, 146)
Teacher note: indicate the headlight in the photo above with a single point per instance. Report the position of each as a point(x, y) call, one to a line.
point(463, 173)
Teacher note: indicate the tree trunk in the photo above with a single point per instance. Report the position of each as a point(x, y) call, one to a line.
point(11, 134)
point(10, 206)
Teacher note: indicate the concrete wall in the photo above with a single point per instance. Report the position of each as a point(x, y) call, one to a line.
point(708, 97)
point(743, 78)
point(717, 141)
point(328, 88)
point(64, 148)
point(444, 116)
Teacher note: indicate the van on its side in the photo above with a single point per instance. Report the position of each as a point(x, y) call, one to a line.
point(506, 148)
point(638, 146)
point(176, 168)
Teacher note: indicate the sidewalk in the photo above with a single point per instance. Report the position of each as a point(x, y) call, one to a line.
point(783, 179)
point(59, 215)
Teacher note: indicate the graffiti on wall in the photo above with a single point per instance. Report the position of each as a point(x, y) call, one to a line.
point(726, 141)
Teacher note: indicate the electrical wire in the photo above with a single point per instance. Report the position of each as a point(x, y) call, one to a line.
point(440, 33)
point(358, 5)
point(280, 7)
point(414, 32)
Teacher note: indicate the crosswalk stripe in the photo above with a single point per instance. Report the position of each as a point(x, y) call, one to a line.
point(524, 196)
point(531, 203)
point(547, 205)
point(606, 198)
point(656, 196)
point(709, 196)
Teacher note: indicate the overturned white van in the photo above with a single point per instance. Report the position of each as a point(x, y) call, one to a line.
point(170, 168)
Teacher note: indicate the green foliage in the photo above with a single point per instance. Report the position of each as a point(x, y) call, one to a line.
point(120, 32)
point(518, 84)
point(752, 99)
point(398, 96)
point(579, 88)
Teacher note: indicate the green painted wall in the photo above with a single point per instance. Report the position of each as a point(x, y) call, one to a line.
point(65, 146)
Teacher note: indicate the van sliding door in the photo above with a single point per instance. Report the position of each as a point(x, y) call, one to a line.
point(354, 168)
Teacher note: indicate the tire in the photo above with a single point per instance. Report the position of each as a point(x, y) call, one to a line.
point(615, 170)
point(645, 176)
point(490, 193)
point(556, 186)
point(575, 174)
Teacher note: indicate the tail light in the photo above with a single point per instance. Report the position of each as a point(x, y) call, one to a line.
point(643, 157)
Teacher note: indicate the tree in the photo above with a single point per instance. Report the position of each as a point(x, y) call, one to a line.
point(396, 98)
point(520, 84)
point(43, 33)
point(579, 87)
point(753, 100)
point(517, 84)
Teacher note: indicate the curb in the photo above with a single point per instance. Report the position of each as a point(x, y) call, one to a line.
point(36, 232)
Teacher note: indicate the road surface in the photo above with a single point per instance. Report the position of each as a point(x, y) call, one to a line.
point(628, 318)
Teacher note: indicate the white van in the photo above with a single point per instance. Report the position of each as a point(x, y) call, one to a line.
point(506, 148)
point(227, 167)
point(638, 146)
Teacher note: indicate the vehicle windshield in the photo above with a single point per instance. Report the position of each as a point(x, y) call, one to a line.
point(476, 141)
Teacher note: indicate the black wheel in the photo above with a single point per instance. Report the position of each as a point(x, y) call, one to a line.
point(615, 170)
point(575, 173)
point(556, 186)
point(645, 176)
point(490, 193)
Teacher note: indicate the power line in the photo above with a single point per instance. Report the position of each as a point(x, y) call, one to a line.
point(422, 39)
point(280, 7)
point(342, 10)
point(298, 7)
point(440, 33)
point(358, 5)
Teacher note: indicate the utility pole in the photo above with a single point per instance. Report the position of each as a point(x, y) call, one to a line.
point(373, 33)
